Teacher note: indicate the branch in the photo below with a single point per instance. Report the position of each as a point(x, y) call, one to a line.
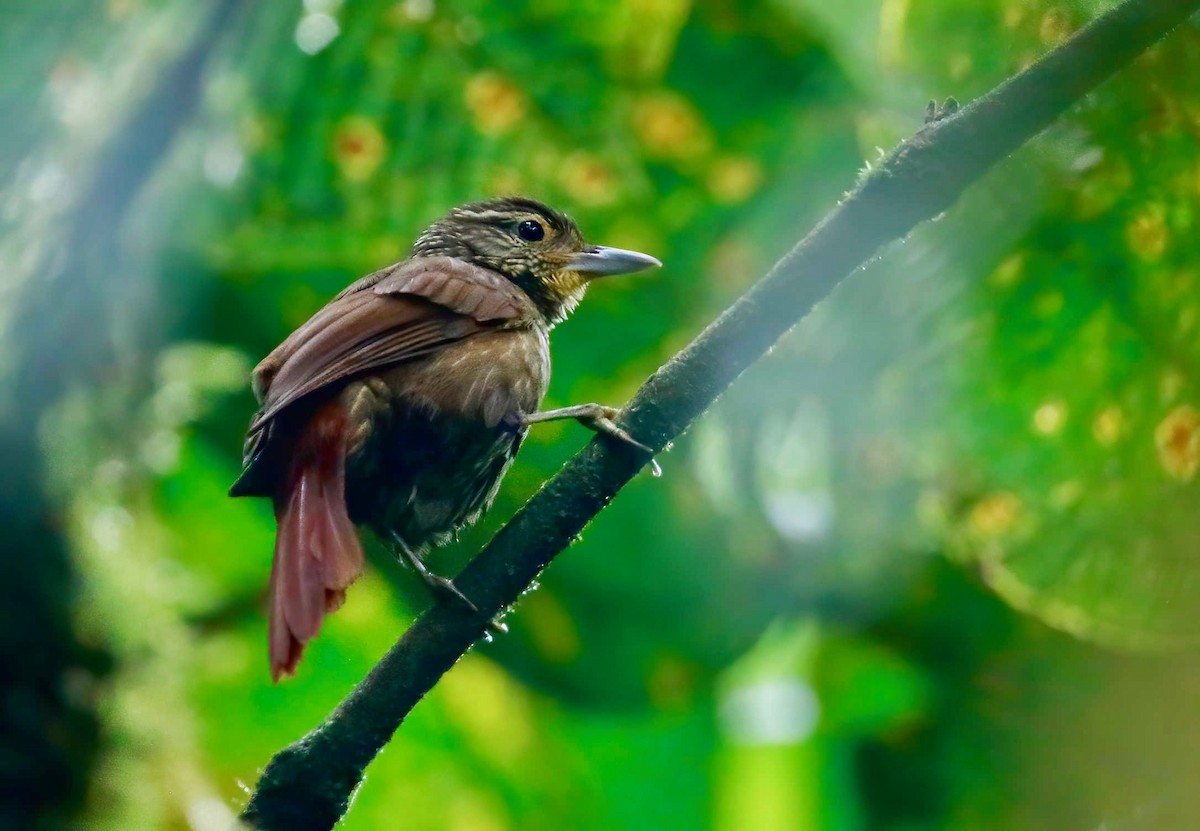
point(308, 785)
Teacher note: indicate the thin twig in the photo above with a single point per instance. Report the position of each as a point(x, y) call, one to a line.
point(308, 785)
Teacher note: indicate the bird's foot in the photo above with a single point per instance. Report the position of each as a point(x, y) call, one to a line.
point(599, 418)
point(443, 589)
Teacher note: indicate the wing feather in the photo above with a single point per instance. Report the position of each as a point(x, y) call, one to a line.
point(366, 333)
point(410, 308)
point(478, 293)
point(393, 315)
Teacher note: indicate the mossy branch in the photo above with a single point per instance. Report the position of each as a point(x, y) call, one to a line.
point(308, 785)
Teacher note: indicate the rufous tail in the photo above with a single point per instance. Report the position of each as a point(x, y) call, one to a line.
point(317, 552)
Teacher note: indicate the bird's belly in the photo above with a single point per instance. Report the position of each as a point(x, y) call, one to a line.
point(439, 476)
point(450, 429)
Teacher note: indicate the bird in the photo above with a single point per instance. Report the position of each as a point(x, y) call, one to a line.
point(401, 403)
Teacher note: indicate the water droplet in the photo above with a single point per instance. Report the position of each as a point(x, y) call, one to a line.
point(655, 469)
point(488, 637)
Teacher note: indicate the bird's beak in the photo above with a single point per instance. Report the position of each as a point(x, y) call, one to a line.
point(599, 261)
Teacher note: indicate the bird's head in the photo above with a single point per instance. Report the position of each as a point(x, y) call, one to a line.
point(538, 248)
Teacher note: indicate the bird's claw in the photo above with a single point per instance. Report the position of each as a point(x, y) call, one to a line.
point(599, 418)
point(601, 421)
point(443, 589)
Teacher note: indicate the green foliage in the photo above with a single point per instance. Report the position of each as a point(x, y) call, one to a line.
point(927, 566)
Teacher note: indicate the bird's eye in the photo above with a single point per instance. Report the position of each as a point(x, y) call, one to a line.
point(531, 231)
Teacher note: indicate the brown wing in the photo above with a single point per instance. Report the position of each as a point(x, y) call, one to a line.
point(356, 334)
point(475, 292)
point(410, 308)
point(388, 317)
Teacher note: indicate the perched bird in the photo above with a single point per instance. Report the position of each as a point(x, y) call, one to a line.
point(401, 403)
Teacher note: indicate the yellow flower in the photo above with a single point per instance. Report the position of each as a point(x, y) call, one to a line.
point(1049, 418)
point(1055, 27)
point(669, 126)
point(1148, 235)
point(734, 179)
point(1178, 440)
point(495, 103)
point(588, 179)
point(995, 514)
point(358, 147)
point(1107, 426)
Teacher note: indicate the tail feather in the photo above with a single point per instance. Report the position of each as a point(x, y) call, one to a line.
point(339, 533)
point(317, 552)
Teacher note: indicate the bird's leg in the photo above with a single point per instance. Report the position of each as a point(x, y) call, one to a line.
point(597, 417)
point(442, 588)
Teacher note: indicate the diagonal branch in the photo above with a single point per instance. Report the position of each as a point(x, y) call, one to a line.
point(308, 785)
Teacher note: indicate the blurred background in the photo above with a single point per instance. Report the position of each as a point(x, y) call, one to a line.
point(932, 564)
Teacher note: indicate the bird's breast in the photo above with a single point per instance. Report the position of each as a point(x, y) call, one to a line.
point(485, 377)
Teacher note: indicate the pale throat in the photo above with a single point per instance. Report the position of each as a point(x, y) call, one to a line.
point(556, 294)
